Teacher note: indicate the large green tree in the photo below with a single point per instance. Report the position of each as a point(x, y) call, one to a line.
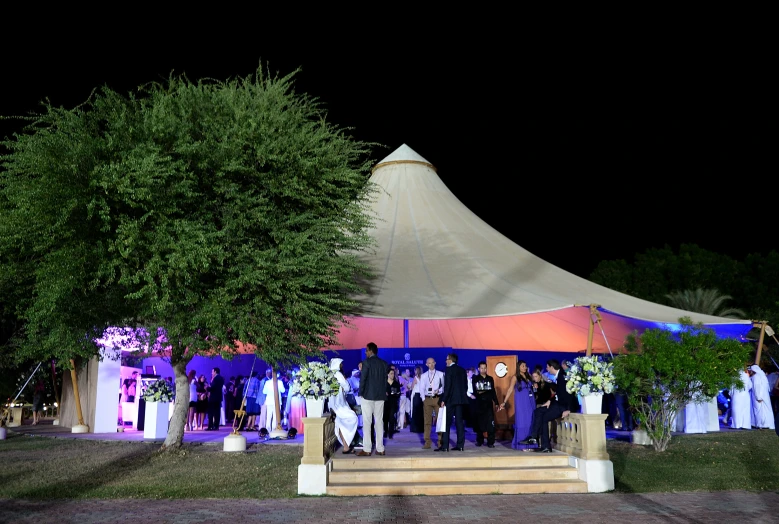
point(224, 212)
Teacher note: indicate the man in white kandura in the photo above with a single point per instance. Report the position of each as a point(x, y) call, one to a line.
point(761, 400)
point(345, 417)
point(741, 403)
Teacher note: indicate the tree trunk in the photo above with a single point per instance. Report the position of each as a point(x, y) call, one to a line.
point(175, 437)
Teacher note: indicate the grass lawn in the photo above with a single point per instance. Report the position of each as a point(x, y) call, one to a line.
point(46, 468)
point(49, 468)
point(734, 460)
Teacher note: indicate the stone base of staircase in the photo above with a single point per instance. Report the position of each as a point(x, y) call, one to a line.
point(453, 473)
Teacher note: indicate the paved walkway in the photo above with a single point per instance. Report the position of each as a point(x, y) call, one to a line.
point(735, 506)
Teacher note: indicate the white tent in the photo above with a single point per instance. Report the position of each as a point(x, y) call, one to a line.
point(448, 279)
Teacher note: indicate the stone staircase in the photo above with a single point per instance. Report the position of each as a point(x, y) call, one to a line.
point(453, 473)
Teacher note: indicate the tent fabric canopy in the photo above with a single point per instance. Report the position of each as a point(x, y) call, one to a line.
point(462, 284)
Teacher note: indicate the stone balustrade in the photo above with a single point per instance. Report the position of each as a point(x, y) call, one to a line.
point(318, 439)
point(582, 436)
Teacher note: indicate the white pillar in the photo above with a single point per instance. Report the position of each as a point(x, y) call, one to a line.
point(107, 398)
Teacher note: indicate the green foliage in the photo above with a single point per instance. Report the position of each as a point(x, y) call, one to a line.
point(225, 213)
point(706, 301)
point(663, 371)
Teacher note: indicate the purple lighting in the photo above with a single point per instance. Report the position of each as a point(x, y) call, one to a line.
point(132, 339)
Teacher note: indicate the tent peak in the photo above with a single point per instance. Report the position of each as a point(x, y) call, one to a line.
point(404, 154)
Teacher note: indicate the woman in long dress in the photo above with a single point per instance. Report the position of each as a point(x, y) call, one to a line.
point(761, 400)
point(524, 404)
point(391, 404)
point(417, 404)
point(741, 403)
point(345, 417)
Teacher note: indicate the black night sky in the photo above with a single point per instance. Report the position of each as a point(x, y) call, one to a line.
point(577, 150)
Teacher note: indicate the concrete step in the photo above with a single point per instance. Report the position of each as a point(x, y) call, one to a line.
point(449, 461)
point(465, 475)
point(458, 488)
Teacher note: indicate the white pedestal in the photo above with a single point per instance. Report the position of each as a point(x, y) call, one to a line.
point(3, 433)
point(235, 443)
point(56, 422)
point(155, 421)
point(598, 474)
point(80, 428)
point(312, 479)
point(640, 437)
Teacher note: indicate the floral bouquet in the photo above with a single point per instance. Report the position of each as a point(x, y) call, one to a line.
point(315, 381)
point(590, 375)
point(158, 391)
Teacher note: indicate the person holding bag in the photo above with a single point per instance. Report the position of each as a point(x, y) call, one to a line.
point(455, 398)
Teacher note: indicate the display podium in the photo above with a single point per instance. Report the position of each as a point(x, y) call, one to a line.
point(146, 379)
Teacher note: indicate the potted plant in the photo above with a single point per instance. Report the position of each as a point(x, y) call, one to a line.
point(157, 395)
point(315, 382)
point(590, 377)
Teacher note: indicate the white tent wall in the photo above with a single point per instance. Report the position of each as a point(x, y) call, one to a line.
point(462, 284)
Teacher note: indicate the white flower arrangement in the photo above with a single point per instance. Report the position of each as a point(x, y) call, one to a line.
point(315, 381)
point(158, 391)
point(590, 375)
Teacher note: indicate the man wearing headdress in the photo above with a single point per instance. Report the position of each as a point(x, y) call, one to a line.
point(345, 417)
point(761, 400)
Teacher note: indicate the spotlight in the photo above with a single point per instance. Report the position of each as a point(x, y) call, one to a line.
point(292, 433)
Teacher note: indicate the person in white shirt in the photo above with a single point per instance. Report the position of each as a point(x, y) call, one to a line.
point(270, 404)
point(432, 387)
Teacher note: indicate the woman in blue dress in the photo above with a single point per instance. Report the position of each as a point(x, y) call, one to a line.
point(524, 404)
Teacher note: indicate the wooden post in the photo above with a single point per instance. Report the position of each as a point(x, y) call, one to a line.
point(763, 324)
point(591, 328)
point(278, 431)
point(76, 397)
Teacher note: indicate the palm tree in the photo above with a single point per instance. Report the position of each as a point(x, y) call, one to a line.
point(706, 301)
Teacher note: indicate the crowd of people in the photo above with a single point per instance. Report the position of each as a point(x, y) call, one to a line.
point(754, 403)
point(431, 402)
point(251, 394)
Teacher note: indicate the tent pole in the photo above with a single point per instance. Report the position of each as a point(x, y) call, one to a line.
point(278, 431)
point(760, 342)
point(593, 310)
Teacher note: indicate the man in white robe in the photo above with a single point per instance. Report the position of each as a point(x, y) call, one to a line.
point(741, 403)
point(761, 400)
point(345, 417)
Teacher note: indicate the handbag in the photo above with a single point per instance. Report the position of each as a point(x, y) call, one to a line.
point(440, 423)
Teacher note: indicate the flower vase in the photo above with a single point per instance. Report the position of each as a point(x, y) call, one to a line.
point(155, 421)
point(314, 407)
point(592, 404)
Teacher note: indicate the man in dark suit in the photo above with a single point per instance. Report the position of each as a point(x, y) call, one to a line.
point(454, 399)
point(373, 390)
point(559, 406)
point(215, 400)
